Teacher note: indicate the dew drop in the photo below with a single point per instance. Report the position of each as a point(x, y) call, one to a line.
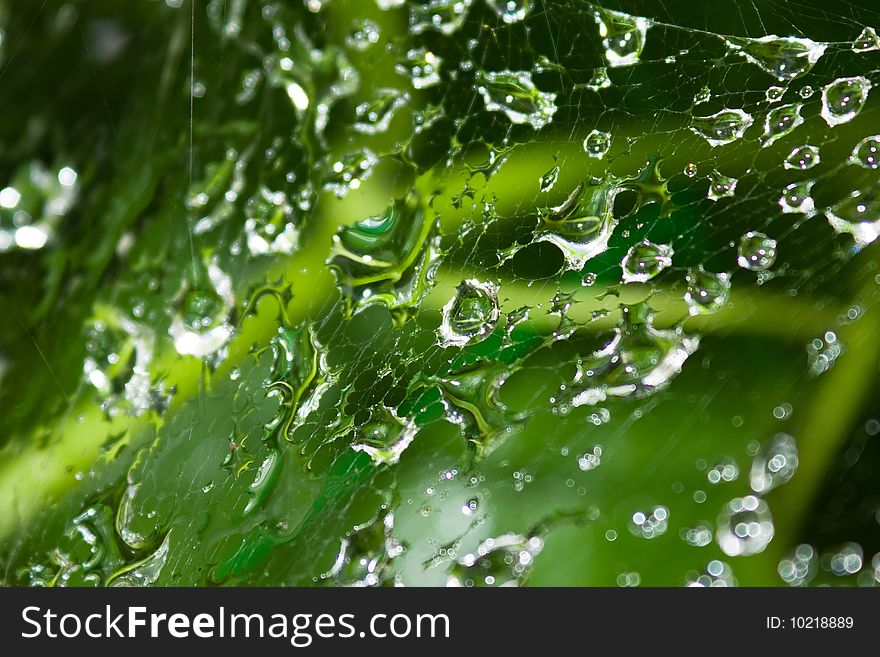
point(349, 172)
point(785, 58)
point(704, 95)
point(549, 179)
point(775, 464)
point(858, 214)
point(720, 186)
point(385, 436)
point(597, 144)
point(867, 153)
point(867, 41)
point(774, 94)
point(623, 36)
point(744, 527)
point(780, 122)
point(600, 80)
point(802, 158)
point(444, 16)
point(511, 11)
point(375, 115)
point(504, 560)
point(843, 99)
point(690, 169)
point(800, 566)
point(645, 260)
point(706, 291)
point(722, 127)
point(471, 315)
point(421, 66)
point(756, 252)
point(797, 198)
point(514, 93)
point(651, 524)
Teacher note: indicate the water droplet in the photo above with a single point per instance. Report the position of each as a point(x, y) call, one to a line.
point(706, 291)
point(623, 36)
point(597, 144)
point(867, 41)
point(500, 561)
point(471, 315)
point(823, 352)
point(269, 227)
point(716, 574)
point(725, 471)
point(600, 80)
point(349, 172)
point(720, 186)
point(690, 169)
point(591, 459)
point(645, 260)
point(511, 11)
point(422, 67)
point(650, 525)
point(582, 224)
point(364, 36)
point(146, 572)
point(802, 157)
point(780, 122)
point(637, 361)
point(797, 198)
point(867, 153)
point(843, 99)
point(704, 95)
point(858, 214)
point(775, 464)
point(756, 252)
point(444, 16)
point(386, 436)
point(785, 58)
point(722, 127)
point(806, 92)
point(389, 258)
point(774, 94)
point(699, 536)
point(744, 527)
point(514, 93)
point(800, 566)
point(200, 327)
point(366, 554)
point(375, 116)
point(549, 179)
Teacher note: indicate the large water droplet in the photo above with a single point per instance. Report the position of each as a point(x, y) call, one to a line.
point(774, 94)
point(582, 224)
point(514, 93)
point(645, 260)
point(597, 144)
point(706, 291)
point(858, 214)
point(722, 127)
point(867, 153)
point(388, 258)
point(843, 99)
point(720, 186)
point(200, 327)
point(867, 41)
point(802, 157)
point(745, 526)
point(511, 11)
point(756, 252)
point(385, 436)
point(637, 361)
point(780, 122)
point(145, 572)
point(471, 315)
point(797, 198)
point(785, 58)
point(775, 464)
point(623, 36)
